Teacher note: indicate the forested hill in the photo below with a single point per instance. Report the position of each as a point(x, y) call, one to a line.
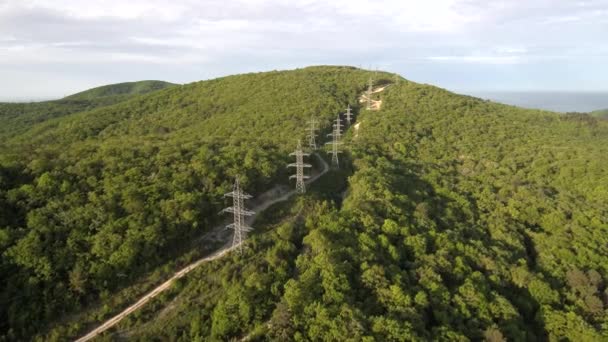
point(15, 118)
point(114, 191)
point(478, 220)
point(463, 219)
point(126, 88)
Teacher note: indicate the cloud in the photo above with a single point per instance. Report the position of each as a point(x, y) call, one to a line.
point(478, 59)
point(191, 38)
point(133, 9)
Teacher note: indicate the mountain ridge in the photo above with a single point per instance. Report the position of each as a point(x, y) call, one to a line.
point(124, 88)
point(18, 117)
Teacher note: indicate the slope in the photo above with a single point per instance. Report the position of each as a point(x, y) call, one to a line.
point(464, 220)
point(474, 220)
point(101, 198)
point(600, 113)
point(15, 118)
point(126, 88)
point(221, 252)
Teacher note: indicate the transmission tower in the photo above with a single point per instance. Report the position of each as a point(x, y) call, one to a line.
point(348, 115)
point(312, 133)
point(299, 165)
point(239, 211)
point(338, 127)
point(335, 142)
point(369, 94)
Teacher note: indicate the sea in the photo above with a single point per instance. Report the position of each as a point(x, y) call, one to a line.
point(582, 102)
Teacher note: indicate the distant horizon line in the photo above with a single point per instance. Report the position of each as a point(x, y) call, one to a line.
point(26, 99)
point(533, 91)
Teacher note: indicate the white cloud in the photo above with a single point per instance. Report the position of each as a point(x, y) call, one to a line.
point(562, 19)
point(511, 50)
point(408, 15)
point(133, 9)
point(479, 59)
point(232, 36)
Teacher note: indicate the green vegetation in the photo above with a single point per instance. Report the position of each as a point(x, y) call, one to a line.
point(92, 201)
point(600, 113)
point(463, 220)
point(127, 88)
point(15, 118)
point(477, 220)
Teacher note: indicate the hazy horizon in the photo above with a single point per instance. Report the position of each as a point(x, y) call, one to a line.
point(558, 101)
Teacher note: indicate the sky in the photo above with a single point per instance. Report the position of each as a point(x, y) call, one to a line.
point(50, 49)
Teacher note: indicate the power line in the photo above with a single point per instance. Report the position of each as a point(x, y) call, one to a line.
point(338, 127)
point(312, 133)
point(239, 211)
point(348, 115)
point(369, 94)
point(335, 143)
point(299, 165)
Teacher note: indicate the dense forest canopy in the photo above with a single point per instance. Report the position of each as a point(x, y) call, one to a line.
point(462, 219)
point(114, 190)
point(15, 118)
point(126, 88)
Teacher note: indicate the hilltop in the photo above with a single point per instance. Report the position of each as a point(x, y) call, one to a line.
point(450, 218)
point(464, 220)
point(16, 118)
point(126, 88)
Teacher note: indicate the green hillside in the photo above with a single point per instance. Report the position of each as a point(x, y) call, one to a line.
point(600, 113)
point(126, 88)
point(463, 219)
point(119, 189)
point(15, 118)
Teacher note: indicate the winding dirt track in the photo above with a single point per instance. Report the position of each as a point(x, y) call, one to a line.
point(216, 255)
point(376, 104)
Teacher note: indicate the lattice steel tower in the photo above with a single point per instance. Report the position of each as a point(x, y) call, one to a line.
point(369, 94)
point(238, 209)
point(348, 115)
point(338, 127)
point(299, 165)
point(312, 133)
point(335, 143)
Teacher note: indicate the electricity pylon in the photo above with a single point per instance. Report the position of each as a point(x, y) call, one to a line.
point(348, 115)
point(312, 133)
point(335, 142)
point(338, 126)
point(299, 165)
point(238, 209)
point(369, 94)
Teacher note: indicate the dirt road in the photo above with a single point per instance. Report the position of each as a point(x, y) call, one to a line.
point(216, 255)
point(375, 104)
